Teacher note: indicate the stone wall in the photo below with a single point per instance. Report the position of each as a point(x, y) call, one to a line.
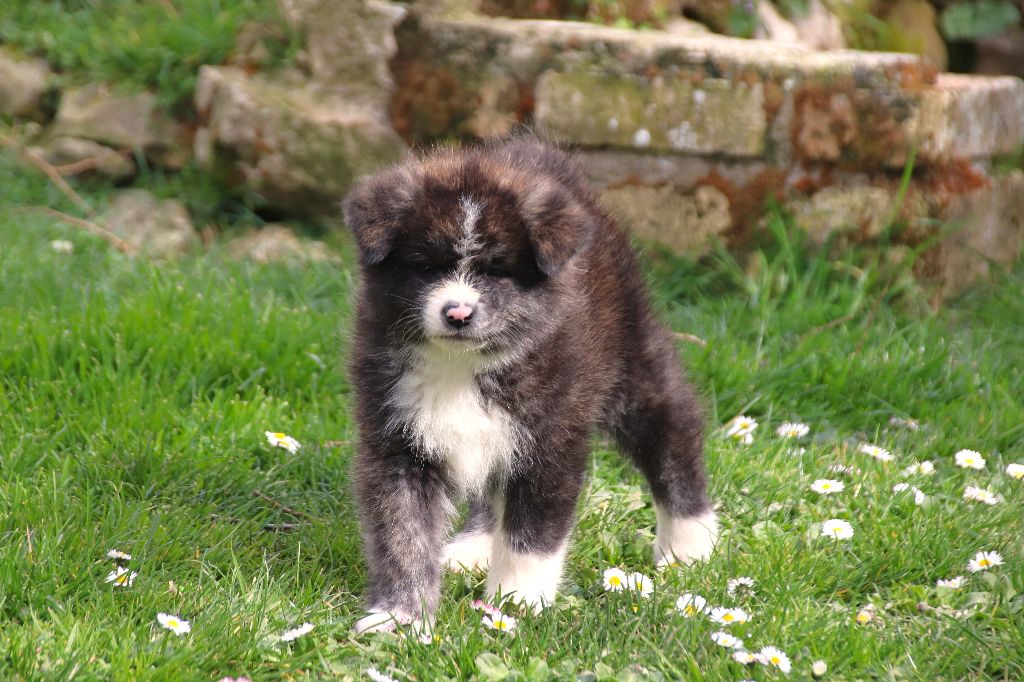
point(688, 136)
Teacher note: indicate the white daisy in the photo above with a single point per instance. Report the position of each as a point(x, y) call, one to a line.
point(174, 623)
point(615, 580)
point(500, 621)
point(295, 633)
point(969, 459)
point(842, 469)
point(864, 616)
point(911, 424)
point(725, 616)
point(828, 486)
point(953, 583)
point(983, 561)
point(744, 657)
point(837, 529)
point(792, 430)
point(118, 555)
point(282, 440)
point(919, 497)
point(62, 246)
point(638, 582)
point(378, 676)
point(722, 638)
point(926, 468)
point(900, 487)
point(795, 452)
point(741, 428)
point(743, 585)
point(973, 493)
point(121, 577)
point(874, 451)
point(770, 655)
point(1015, 470)
point(481, 605)
point(819, 668)
point(691, 604)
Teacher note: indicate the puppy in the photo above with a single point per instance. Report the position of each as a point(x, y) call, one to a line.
point(501, 318)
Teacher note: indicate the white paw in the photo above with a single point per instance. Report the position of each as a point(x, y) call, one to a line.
point(684, 539)
point(468, 552)
point(530, 579)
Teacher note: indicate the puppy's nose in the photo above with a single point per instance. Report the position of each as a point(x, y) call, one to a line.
point(457, 315)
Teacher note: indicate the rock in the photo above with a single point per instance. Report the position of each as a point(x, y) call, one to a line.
point(160, 228)
point(970, 117)
point(685, 223)
point(276, 243)
point(679, 26)
point(714, 117)
point(819, 28)
point(123, 121)
point(864, 211)
point(349, 44)
point(916, 21)
point(298, 147)
point(24, 85)
point(101, 160)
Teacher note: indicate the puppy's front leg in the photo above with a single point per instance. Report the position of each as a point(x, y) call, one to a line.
point(535, 512)
point(403, 509)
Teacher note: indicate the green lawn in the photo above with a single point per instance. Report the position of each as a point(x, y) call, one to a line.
point(134, 398)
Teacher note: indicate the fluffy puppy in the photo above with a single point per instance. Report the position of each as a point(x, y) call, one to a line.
point(501, 319)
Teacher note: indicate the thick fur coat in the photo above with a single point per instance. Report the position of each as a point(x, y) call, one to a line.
point(501, 319)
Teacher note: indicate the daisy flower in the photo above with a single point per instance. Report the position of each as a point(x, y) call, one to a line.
point(62, 246)
point(969, 459)
point(378, 676)
point(828, 486)
point(174, 623)
point(953, 583)
point(725, 616)
point(121, 577)
point(983, 561)
point(911, 424)
point(295, 633)
point(927, 468)
point(118, 555)
point(819, 668)
point(874, 451)
point(770, 655)
point(837, 529)
point(743, 585)
point(919, 497)
point(481, 605)
point(722, 638)
point(973, 493)
point(691, 604)
point(1015, 470)
point(864, 616)
point(792, 430)
point(614, 580)
point(282, 440)
point(741, 428)
point(842, 469)
point(638, 582)
point(499, 621)
point(744, 657)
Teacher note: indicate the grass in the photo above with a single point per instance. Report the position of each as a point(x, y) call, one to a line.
point(158, 44)
point(134, 396)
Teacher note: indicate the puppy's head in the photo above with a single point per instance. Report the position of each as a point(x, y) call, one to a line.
point(470, 250)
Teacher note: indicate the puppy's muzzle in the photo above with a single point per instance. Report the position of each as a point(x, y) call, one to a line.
point(457, 315)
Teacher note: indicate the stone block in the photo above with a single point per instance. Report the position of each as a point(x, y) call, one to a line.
point(24, 84)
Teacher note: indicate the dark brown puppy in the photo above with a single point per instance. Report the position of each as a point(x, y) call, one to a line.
point(501, 319)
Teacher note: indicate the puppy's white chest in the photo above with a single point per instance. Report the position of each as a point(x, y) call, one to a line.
point(440, 406)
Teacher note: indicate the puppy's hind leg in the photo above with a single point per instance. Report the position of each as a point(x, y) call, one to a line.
point(470, 549)
point(660, 429)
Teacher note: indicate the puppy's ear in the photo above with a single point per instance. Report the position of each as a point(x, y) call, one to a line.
point(559, 226)
point(375, 210)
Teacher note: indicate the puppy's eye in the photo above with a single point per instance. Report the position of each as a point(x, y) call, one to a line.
point(428, 268)
point(498, 270)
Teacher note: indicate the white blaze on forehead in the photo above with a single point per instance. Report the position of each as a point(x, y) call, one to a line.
point(469, 243)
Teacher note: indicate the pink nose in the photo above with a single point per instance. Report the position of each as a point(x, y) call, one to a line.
point(457, 314)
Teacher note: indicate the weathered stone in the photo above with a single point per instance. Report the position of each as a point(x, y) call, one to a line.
point(160, 228)
point(771, 25)
point(24, 84)
point(714, 117)
point(91, 156)
point(819, 28)
point(128, 121)
point(295, 145)
point(276, 243)
point(349, 44)
point(970, 117)
point(685, 223)
point(860, 209)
